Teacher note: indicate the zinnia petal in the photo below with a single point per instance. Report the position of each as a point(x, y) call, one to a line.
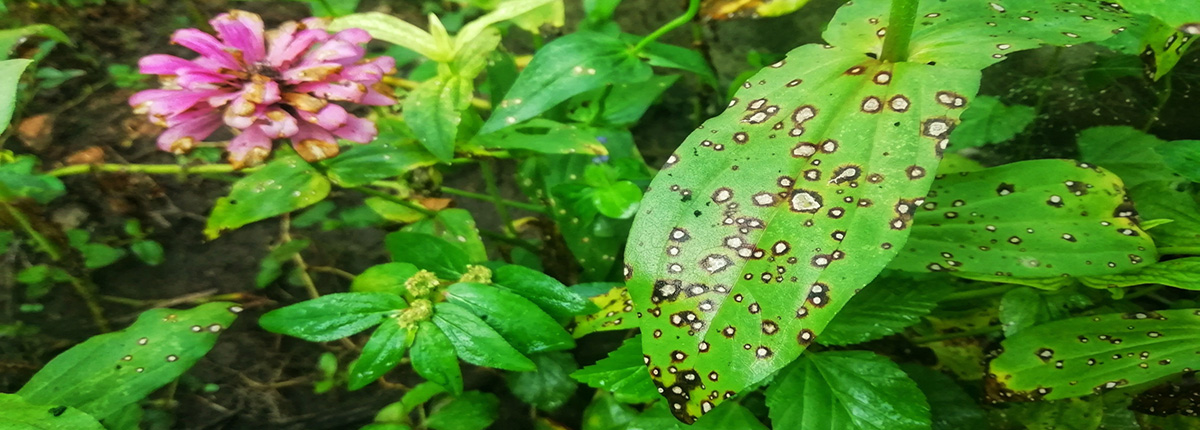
point(314, 143)
point(206, 45)
point(284, 53)
point(182, 137)
point(249, 148)
point(330, 117)
point(163, 64)
point(243, 31)
point(357, 130)
point(340, 91)
point(280, 124)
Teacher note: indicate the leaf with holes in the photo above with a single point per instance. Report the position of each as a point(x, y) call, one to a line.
point(771, 215)
point(1163, 45)
point(103, 374)
point(1032, 219)
point(1094, 354)
point(22, 415)
point(1185, 19)
point(616, 313)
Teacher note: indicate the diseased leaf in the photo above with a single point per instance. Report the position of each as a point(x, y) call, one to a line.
point(21, 415)
point(285, 184)
point(623, 373)
point(846, 390)
point(107, 372)
point(883, 307)
point(1095, 354)
point(989, 120)
point(1179, 273)
point(616, 313)
point(1031, 219)
point(1163, 45)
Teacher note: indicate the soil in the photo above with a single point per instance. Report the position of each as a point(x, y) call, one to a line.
point(265, 380)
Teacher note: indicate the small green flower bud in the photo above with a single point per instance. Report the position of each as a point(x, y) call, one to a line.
point(419, 310)
point(477, 274)
point(422, 283)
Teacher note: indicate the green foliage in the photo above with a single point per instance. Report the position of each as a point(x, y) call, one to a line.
point(989, 120)
point(332, 316)
point(1178, 273)
point(846, 390)
point(528, 328)
point(623, 373)
point(1125, 151)
point(471, 410)
point(11, 71)
point(382, 352)
point(456, 226)
point(476, 342)
point(1095, 354)
point(271, 266)
point(21, 415)
point(427, 252)
point(285, 184)
point(885, 306)
point(18, 180)
point(363, 164)
point(107, 372)
point(616, 313)
point(550, 386)
point(434, 358)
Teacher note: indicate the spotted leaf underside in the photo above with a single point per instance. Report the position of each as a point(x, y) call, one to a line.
point(616, 313)
point(771, 215)
point(1094, 354)
point(1032, 219)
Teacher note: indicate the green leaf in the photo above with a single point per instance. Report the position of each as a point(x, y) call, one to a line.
point(18, 180)
point(1126, 151)
point(1179, 273)
point(846, 390)
point(106, 372)
point(11, 37)
point(546, 137)
point(21, 415)
point(1161, 200)
point(1094, 354)
point(433, 358)
point(392, 29)
point(476, 342)
point(364, 164)
point(427, 252)
point(283, 185)
point(1174, 14)
point(951, 407)
point(676, 57)
point(327, 369)
point(332, 316)
point(332, 7)
point(550, 386)
point(616, 313)
point(625, 103)
point(384, 278)
point(885, 306)
point(1183, 157)
point(472, 410)
point(619, 200)
point(623, 373)
point(1032, 219)
point(1022, 308)
point(569, 65)
point(605, 413)
point(520, 322)
point(382, 352)
point(149, 251)
point(271, 266)
point(724, 241)
point(10, 78)
point(97, 255)
point(1163, 45)
point(458, 227)
point(434, 110)
point(727, 9)
point(546, 292)
point(989, 120)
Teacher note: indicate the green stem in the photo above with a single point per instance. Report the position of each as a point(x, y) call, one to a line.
point(489, 179)
point(514, 204)
point(150, 169)
point(87, 291)
point(956, 335)
point(982, 292)
point(1179, 250)
point(901, 18)
point(402, 202)
point(692, 10)
point(37, 236)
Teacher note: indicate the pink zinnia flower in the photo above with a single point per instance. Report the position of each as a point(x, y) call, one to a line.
point(281, 88)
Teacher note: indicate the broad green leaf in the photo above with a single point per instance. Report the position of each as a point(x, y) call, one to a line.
point(616, 313)
point(434, 110)
point(458, 227)
point(392, 211)
point(951, 407)
point(520, 322)
point(427, 252)
point(1066, 414)
point(1163, 45)
point(271, 267)
point(1176, 14)
point(394, 30)
point(1179, 273)
point(383, 278)
point(550, 386)
point(765, 222)
point(382, 352)
point(618, 200)
point(1022, 308)
point(18, 180)
point(433, 358)
point(546, 137)
point(846, 390)
point(623, 373)
point(476, 342)
point(149, 251)
point(332, 316)
point(976, 34)
point(10, 38)
point(1094, 354)
point(605, 413)
point(626, 103)
point(989, 120)
point(505, 11)
point(731, 9)
point(677, 57)
point(472, 410)
point(285, 184)
point(106, 372)
point(10, 77)
point(1183, 157)
point(1126, 151)
point(1161, 200)
point(363, 164)
point(885, 306)
point(1031, 219)
point(569, 65)
point(22, 415)
point(548, 293)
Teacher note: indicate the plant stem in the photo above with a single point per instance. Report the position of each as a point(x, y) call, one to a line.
point(692, 10)
point(87, 291)
point(956, 335)
point(50, 248)
point(489, 179)
point(150, 169)
point(901, 18)
point(285, 236)
point(982, 292)
point(510, 203)
point(1179, 250)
